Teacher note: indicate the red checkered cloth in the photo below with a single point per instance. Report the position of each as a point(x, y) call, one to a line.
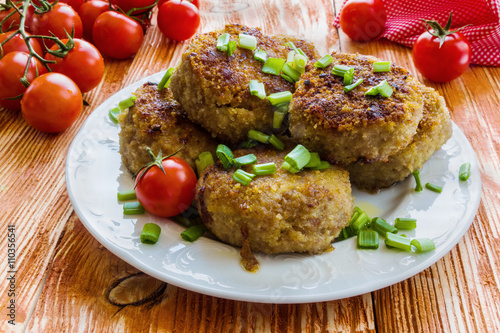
point(404, 23)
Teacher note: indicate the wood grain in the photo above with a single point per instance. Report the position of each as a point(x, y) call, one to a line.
point(64, 276)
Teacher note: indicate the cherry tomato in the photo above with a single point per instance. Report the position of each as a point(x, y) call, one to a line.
point(83, 64)
point(59, 20)
point(75, 4)
point(17, 43)
point(445, 63)
point(363, 20)
point(89, 12)
point(178, 20)
point(170, 193)
point(12, 67)
point(194, 2)
point(12, 22)
point(52, 103)
point(127, 5)
point(117, 35)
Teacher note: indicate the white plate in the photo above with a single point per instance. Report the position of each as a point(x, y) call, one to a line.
point(94, 174)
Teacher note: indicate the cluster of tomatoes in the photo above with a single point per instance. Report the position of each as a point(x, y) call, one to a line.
point(50, 51)
point(440, 54)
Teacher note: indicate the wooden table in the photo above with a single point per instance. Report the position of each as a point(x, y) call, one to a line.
point(64, 275)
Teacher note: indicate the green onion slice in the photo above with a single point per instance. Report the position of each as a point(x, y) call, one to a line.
point(126, 195)
point(290, 57)
point(291, 72)
point(278, 117)
point(433, 187)
point(231, 46)
point(382, 227)
point(289, 168)
point(464, 172)
point(132, 208)
point(222, 42)
point(260, 55)
point(368, 239)
point(193, 233)
point(273, 66)
point(399, 242)
point(298, 157)
point(383, 88)
point(315, 161)
point(423, 244)
point(277, 143)
point(348, 76)
point(381, 66)
point(296, 49)
point(204, 160)
point(299, 63)
point(280, 97)
point(352, 86)
point(257, 89)
point(264, 169)
point(360, 222)
point(225, 155)
point(258, 136)
point(150, 233)
point(126, 103)
point(405, 223)
point(165, 80)
point(243, 177)
point(322, 166)
point(418, 186)
point(247, 42)
point(323, 61)
point(246, 159)
point(339, 70)
point(113, 114)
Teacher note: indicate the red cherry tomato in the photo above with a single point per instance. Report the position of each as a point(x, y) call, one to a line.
point(75, 4)
point(12, 67)
point(89, 12)
point(194, 2)
point(363, 20)
point(170, 193)
point(445, 63)
point(117, 35)
point(127, 5)
point(52, 103)
point(12, 22)
point(83, 64)
point(178, 20)
point(17, 43)
point(59, 20)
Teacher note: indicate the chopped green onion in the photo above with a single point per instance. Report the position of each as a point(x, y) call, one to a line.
point(339, 70)
point(165, 80)
point(295, 49)
point(132, 208)
point(278, 117)
point(273, 66)
point(246, 159)
point(383, 88)
point(204, 159)
point(231, 46)
point(289, 168)
point(368, 239)
point(277, 143)
point(381, 66)
point(315, 161)
point(299, 63)
point(352, 86)
point(346, 233)
point(187, 221)
point(418, 186)
point(113, 114)
point(287, 78)
point(247, 42)
point(225, 155)
point(405, 223)
point(257, 89)
point(382, 227)
point(423, 244)
point(399, 242)
point(322, 166)
point(280, 97)
point(222, 42)
point(290, 57)
point(193, 233)
point(126, 103)
point(250, 143)
point(291, 72)
point(150, 233)
point(260, 55)
point(433, 187)
point(243, 177)
point(464, 172)
point(323, 61)
point(298, 157)
point(126, 195)
point(258, 136)
point(264, 169)
point(360, 222)
point(348, 76)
